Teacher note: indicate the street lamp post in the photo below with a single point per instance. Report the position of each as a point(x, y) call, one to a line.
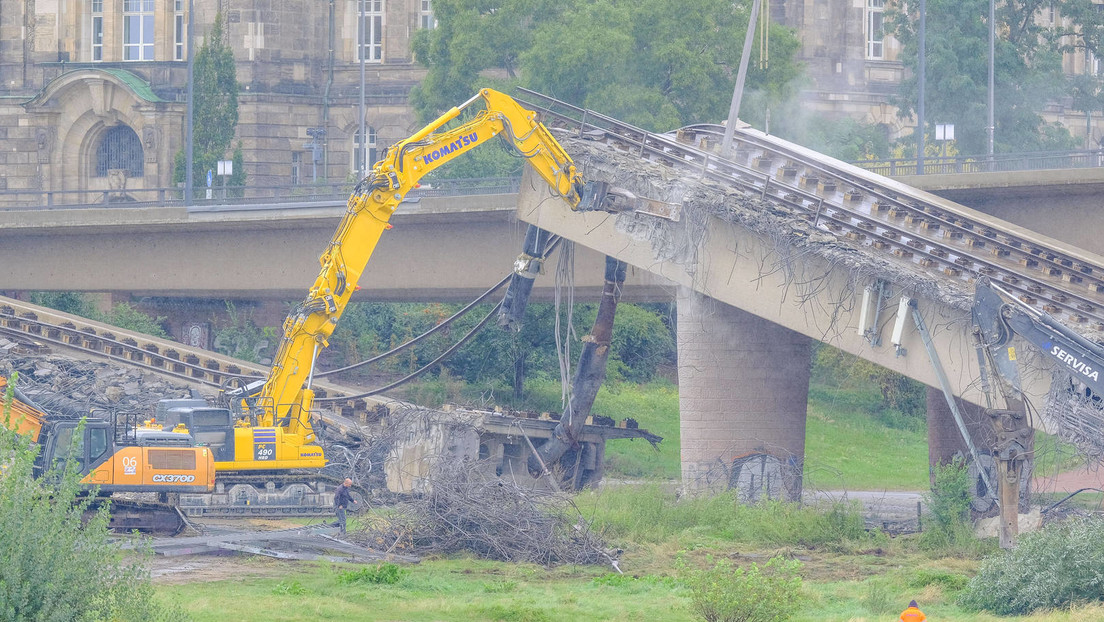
point(188, 126)
point(992, 38)
point(920, 80)
point(363, 146)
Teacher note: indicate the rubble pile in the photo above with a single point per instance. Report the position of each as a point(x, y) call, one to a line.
point(76, 387)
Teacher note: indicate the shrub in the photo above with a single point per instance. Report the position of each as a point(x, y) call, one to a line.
point(380, 574)
point(1058, 566)
point(289, 588)
point(724, 593)
point(57, 560)
point(122, 315)
point(949, 508)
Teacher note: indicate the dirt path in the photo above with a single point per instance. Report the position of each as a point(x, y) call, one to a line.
point(1070, 481)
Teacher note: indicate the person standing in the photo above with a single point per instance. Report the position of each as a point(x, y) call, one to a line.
point(913, 614)
point(342, 499)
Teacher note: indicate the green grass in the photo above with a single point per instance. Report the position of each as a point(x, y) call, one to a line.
point(864, 584)
point(1053, 456)
point(459, 590)
point(653, 513)
point(846, 448)
point(848, 574)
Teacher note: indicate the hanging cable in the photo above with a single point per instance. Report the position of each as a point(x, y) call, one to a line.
point(565, 279)
point(553, 243)
point(456, 346)
point(419, 338)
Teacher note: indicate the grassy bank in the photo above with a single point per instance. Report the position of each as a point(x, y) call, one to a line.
point(847, 573)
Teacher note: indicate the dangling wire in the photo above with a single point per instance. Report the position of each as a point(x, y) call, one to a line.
point(565, 279)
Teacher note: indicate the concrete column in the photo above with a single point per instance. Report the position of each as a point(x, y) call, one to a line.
point(743, 395)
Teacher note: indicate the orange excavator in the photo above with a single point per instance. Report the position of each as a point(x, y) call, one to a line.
point(116, 454)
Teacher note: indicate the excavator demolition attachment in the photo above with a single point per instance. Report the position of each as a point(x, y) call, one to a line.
point(599, 196)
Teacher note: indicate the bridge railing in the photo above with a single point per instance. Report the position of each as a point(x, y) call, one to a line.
point(237, 195)
point(998, 163)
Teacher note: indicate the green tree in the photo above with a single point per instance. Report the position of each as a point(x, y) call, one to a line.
point(656, 68)
point(215, 109)
point(57, 561)
point(1027, 71)
point(240, 337)
point(845, 139)
point(122, 314)
point(1083, 33)
point(638, 61)
point(472, 36)
point(74, 303)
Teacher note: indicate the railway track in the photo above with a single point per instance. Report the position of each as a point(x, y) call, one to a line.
point(39, 328)
point(866, 210)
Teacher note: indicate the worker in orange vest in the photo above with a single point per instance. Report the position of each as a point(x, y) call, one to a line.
point(913, 614)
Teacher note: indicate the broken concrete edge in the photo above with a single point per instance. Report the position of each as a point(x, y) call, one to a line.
point(710, 198)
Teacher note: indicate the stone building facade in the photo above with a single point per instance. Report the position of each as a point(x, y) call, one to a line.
point(93, 92)
point(851, 64)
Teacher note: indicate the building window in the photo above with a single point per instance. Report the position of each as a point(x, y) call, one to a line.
point(296, 168)
point(178, 30)
point(97, 29)
point(359, 147)
point(875, 29)
point(138, 29)
point(425, 15)
point(370, 32)
point(120, 148)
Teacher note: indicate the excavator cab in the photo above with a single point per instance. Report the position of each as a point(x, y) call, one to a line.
point(73, 446)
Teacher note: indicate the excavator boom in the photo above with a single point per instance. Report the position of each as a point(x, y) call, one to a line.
point(286, 397)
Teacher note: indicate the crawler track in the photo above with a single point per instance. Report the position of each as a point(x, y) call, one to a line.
point(867, 210)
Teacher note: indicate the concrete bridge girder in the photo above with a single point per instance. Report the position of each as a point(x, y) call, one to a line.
point(812, 294)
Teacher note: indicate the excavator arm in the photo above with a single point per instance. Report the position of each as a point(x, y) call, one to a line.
point(998, 317)
point(998, 321)
point(286, 397)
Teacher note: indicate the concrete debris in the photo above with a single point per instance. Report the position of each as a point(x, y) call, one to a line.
point(59, 383)
point(705, 198)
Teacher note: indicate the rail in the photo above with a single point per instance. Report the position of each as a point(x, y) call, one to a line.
point(862, 209)
point(236, 195)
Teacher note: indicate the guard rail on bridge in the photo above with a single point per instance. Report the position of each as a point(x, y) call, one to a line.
point(998, 163)
point(238, 195)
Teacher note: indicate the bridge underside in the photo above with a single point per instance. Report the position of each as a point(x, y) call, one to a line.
point(759, 285)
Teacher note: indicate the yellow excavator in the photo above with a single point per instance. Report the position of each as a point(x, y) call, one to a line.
point(267, 427)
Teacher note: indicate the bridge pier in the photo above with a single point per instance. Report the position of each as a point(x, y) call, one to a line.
point(743, 395)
